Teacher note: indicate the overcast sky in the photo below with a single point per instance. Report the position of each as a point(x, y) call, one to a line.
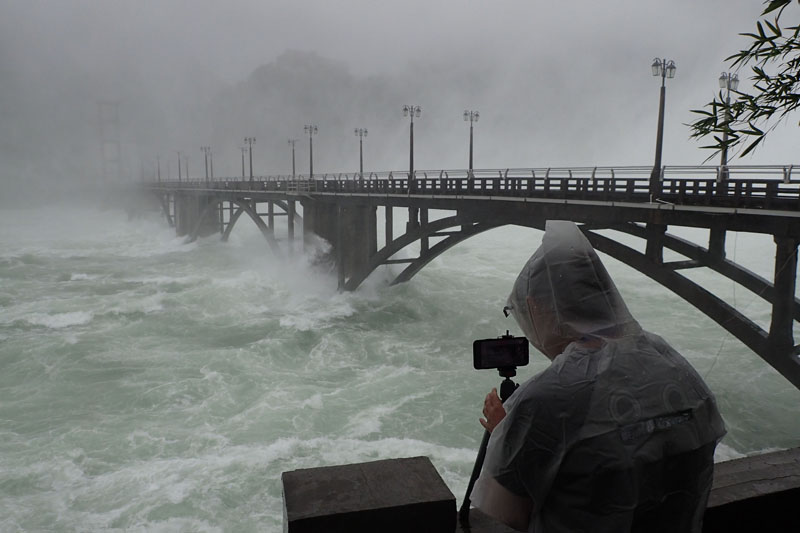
point(569, 83)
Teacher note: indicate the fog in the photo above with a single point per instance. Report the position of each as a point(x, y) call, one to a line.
point(556, 83)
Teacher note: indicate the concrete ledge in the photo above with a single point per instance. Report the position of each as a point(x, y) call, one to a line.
point(395, 495)
point(758, 493)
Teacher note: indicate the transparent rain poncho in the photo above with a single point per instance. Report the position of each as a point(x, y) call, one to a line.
point(618, 433)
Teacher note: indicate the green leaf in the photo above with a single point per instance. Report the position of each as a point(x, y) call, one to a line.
point(772, 5)
point(774, 29)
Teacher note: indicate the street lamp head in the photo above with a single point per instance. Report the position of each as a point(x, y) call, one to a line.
point(365, 132)
point(656, 66)
point(729, 81)
point(413, 110)
point(477, 116)
point(671, 69)
point(466, 116)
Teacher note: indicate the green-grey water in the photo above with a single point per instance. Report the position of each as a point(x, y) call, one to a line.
point(151, 385)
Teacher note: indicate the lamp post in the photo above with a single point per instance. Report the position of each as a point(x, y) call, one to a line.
point(666, 69)
point(471, 116)
point(729, 82)
point(250, 141)
point(312, 130)
point(413, 212)
point(206, 152)
point(158, 165)
point(411, 111)
point(361, 133)
point(179, 165)
point(291, 143)
point(244, 151)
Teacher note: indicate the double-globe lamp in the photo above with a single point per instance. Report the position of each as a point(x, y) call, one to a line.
point(361, 133)
point(312, 130)
point(411, 111)
point(250, 141)
point(472, 117)
point(666, 69)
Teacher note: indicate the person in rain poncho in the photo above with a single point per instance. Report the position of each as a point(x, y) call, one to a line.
point(618, 433)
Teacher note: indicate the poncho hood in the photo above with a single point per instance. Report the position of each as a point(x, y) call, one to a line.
point(564, 293)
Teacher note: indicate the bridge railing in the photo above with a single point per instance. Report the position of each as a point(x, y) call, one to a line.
point(737, 186)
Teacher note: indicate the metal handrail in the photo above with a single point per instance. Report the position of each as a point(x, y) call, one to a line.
point(743, 186)
point(777, 172)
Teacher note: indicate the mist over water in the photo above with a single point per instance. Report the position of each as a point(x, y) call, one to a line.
point(152, 385)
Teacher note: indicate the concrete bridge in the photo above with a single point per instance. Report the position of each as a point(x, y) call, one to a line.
point(343, 209)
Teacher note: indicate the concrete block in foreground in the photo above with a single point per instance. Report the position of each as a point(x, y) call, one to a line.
point(757, 493)
point(394, 495)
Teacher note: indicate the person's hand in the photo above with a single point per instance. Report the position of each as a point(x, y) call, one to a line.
point(493, 411)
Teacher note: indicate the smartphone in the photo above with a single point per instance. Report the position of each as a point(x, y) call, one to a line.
point(504, 352)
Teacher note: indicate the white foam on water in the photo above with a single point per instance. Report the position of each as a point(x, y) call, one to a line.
point(60, 320)
point(131, 496)
point(151, 303)
point(314, 402)
point(368, 421)
point(726, 453)
point(307, 316)
point(80, 276)
point(178, 524)
point(70, 338)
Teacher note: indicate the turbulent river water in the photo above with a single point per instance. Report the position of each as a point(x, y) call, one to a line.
point(151, 385)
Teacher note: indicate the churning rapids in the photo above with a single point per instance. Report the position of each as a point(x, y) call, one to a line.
point(152, 385)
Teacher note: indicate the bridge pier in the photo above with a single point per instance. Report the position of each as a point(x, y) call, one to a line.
point(309, 220)
point(189, 209)
point(352, 231)
point(271, 217)
point(781, 337)
point(358, 220)
point(716, 242)
point(291, 209)
point(413, 219)
point(655, 242)
point(424, 243)
point(389, 223)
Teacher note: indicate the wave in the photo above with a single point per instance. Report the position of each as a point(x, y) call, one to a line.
point(60, 320)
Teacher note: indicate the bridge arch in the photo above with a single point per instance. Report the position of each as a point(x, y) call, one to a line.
point(733, 321)
point(244, 207)
point(247, 208)
point(431, 229)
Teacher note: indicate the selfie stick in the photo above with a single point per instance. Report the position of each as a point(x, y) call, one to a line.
point(507, 387)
